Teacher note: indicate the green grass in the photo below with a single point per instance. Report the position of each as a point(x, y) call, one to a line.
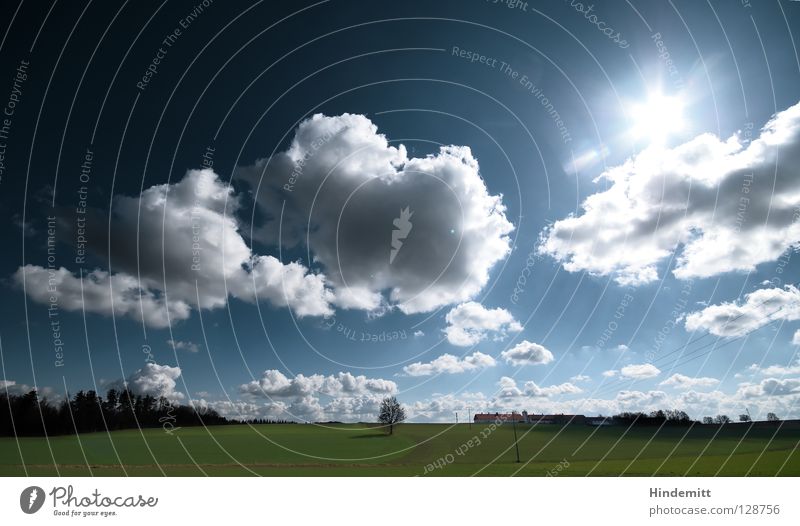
point(359, 450)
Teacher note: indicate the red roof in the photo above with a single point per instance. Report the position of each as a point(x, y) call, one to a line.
point(490, 417)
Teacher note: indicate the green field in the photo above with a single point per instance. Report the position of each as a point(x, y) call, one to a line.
point(351, 449)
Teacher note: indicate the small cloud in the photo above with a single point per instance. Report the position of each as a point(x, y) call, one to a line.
point(681, 381)
point(776, 370)
point(509, 389)
point(184, 346)
point(640, 371)
point(527, 353)
point(581, 378)
point(25, 226)
point(418, 334)
point(449, 364)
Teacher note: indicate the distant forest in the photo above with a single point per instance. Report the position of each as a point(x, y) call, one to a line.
point(31, 415)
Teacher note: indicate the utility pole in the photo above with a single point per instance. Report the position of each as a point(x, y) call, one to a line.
point(456, 412)
point(514, 425)
point(469, 418)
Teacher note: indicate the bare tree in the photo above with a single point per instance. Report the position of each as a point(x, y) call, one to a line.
point(772, 417)
point(745, 418)
point(391, 413)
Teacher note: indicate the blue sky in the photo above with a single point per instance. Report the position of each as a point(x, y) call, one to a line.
point(602, 200)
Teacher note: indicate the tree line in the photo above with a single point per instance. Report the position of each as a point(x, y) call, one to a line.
point(676, 417)
point(32, 415)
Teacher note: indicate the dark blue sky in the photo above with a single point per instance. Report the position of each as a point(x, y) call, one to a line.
point(240, 78)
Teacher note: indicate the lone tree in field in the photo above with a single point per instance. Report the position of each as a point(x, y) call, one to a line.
point(391, 413)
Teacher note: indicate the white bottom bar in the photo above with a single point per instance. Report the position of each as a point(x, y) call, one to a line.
point(393, 501)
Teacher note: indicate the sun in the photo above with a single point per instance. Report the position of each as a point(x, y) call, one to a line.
point(659, 117)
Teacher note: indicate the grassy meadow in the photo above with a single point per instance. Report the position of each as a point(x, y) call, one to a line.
point(412, 450)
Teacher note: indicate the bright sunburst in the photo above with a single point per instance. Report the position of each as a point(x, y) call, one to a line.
point(655, 120)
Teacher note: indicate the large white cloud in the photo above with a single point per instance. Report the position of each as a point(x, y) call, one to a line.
point(471, 322)
point(183, 239)
point(340, 186)
point(450, 364)
point(720, 205)
point(732, 319)
point(348, 188)
point(527, 353)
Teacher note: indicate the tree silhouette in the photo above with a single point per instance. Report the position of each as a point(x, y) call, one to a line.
point(391, 413)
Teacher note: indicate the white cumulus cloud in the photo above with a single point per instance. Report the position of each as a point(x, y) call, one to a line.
point(189, 249)
point(154, 380)
point(770, 387)
point(450, 364)
point(639, 371)
point(719, 205)
point(341, 186)
point(527, 353)
point(732, 319)
point(681, 381)
point(471, 322)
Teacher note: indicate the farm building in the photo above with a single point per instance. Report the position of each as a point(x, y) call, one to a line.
point(488, 418)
